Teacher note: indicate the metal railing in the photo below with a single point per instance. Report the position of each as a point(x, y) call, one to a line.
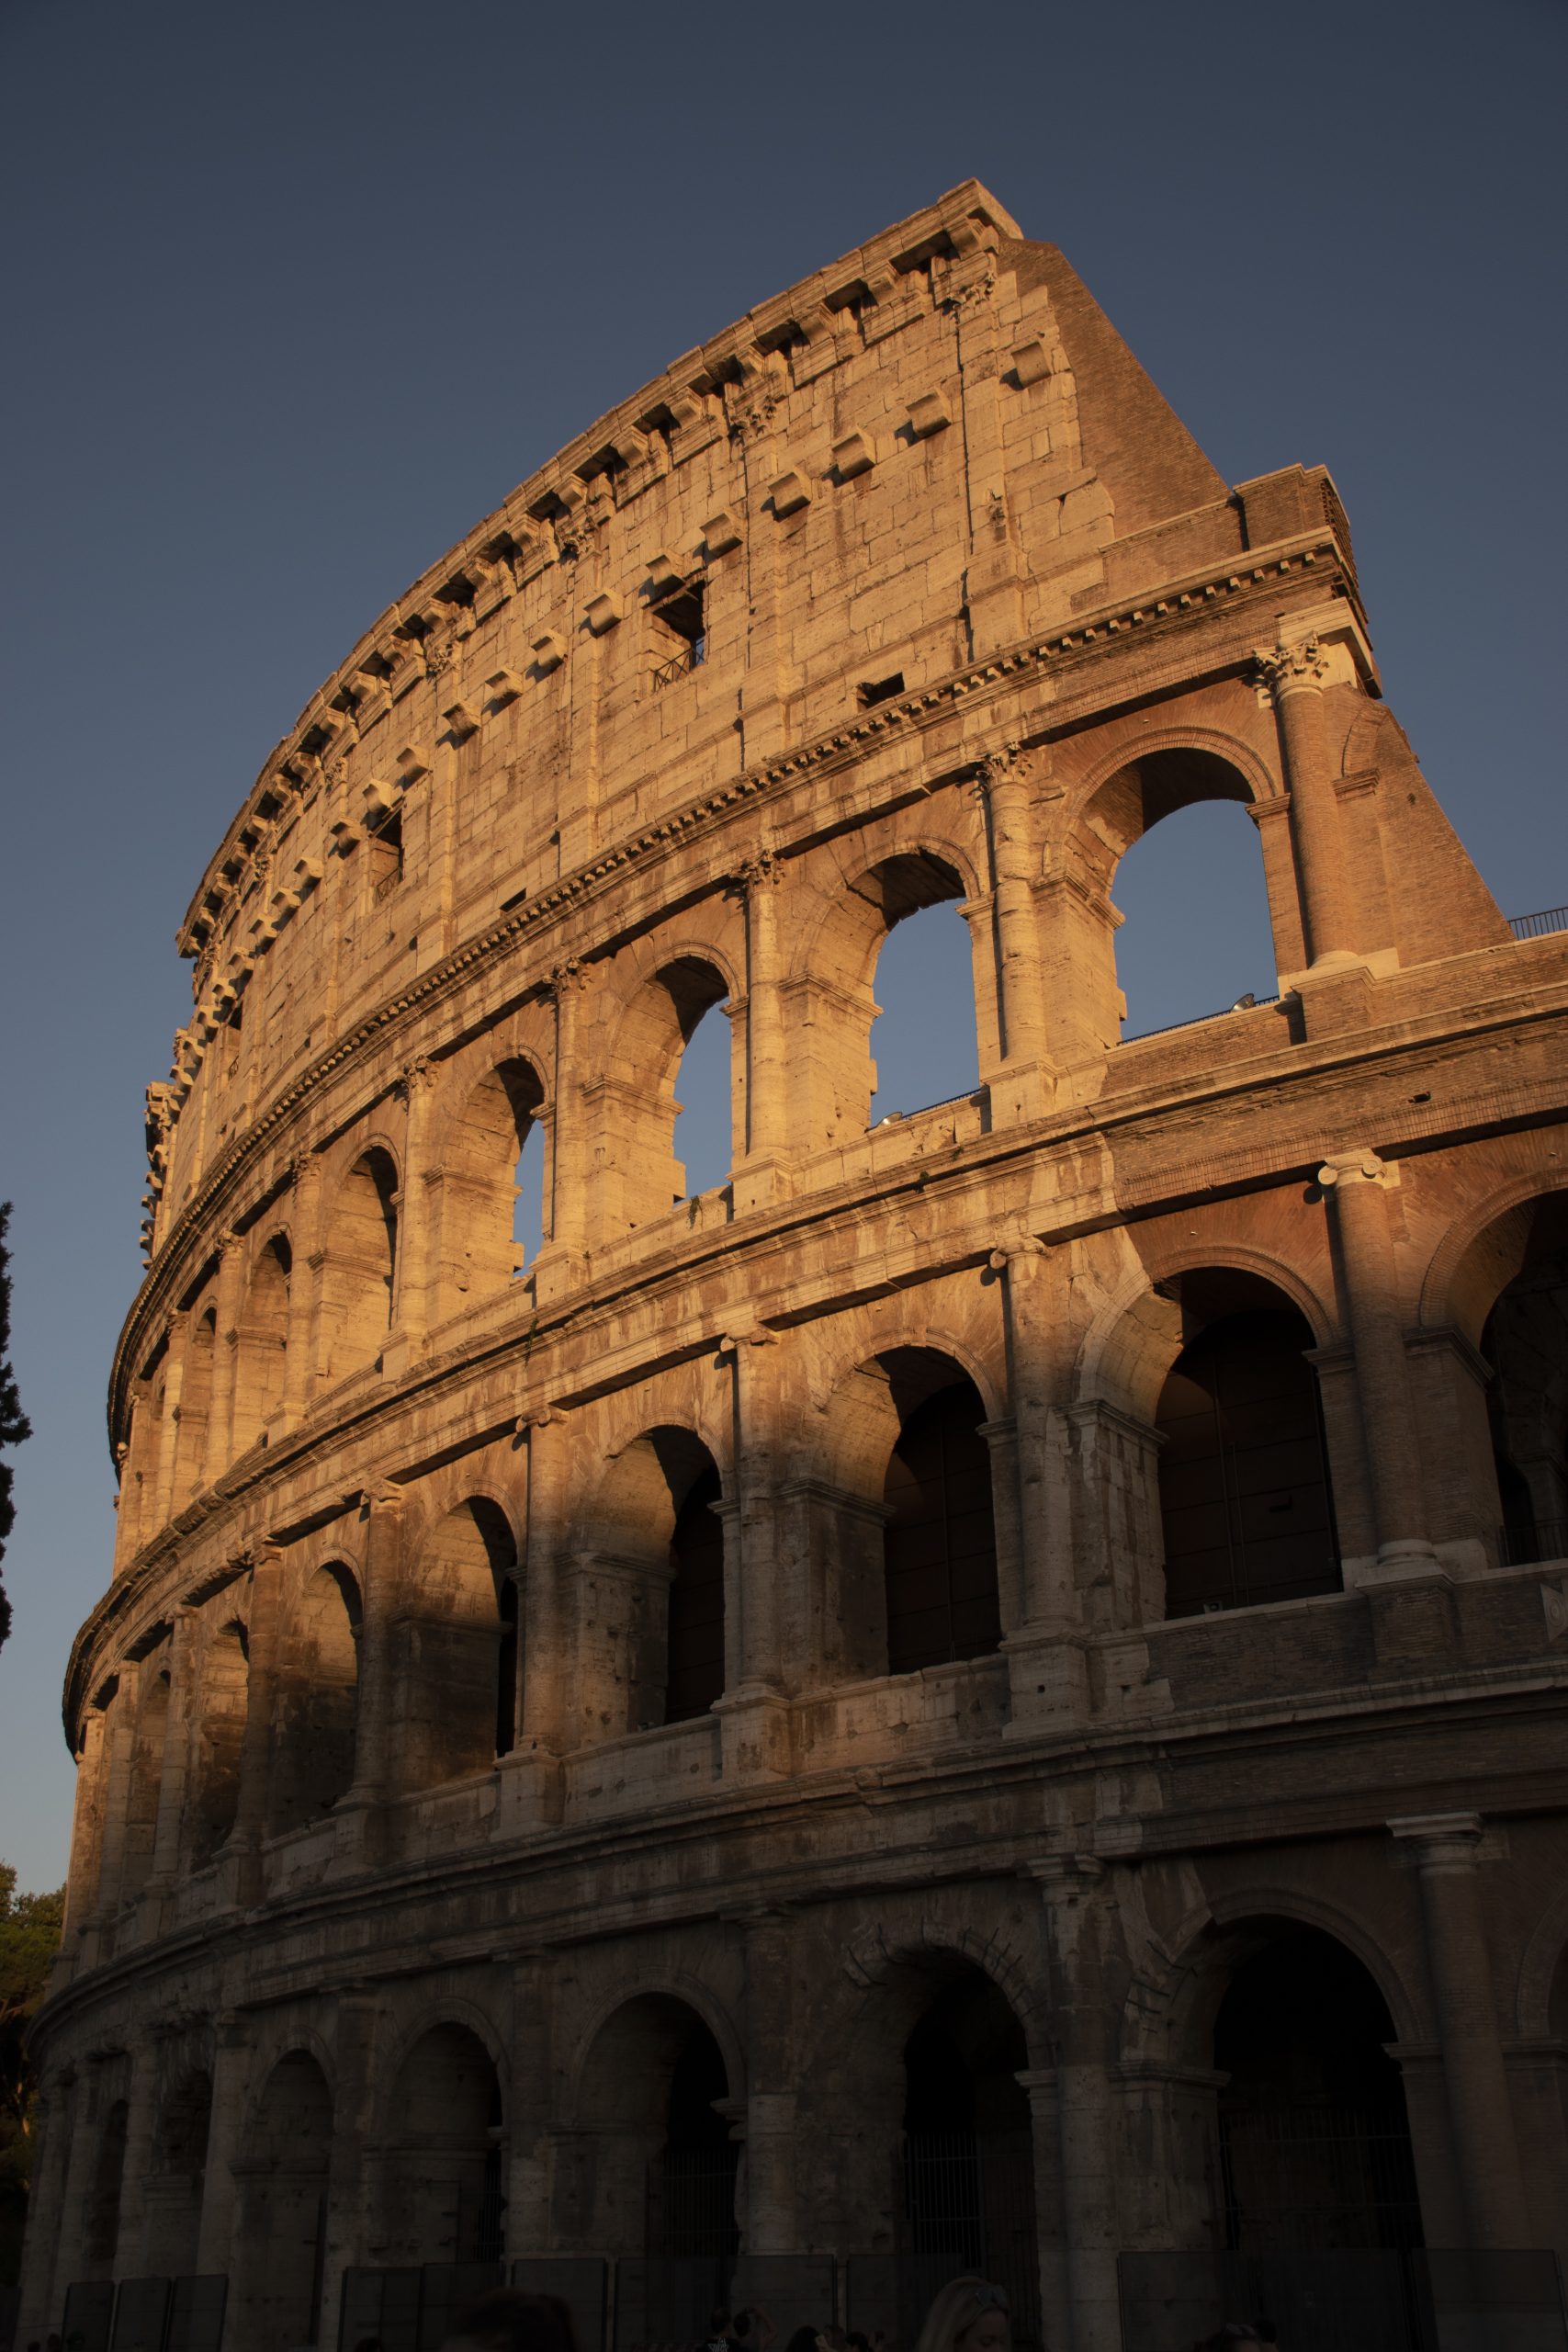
point(1539, 926)
point(1521, 1546)
point(1247, 1004)
point(680, 665)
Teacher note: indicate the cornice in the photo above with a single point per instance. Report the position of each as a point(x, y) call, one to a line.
point(1174, 612)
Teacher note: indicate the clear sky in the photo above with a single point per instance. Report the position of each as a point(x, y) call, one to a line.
point(298, 292)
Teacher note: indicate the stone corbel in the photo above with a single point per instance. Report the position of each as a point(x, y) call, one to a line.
point(504, 687)
point(790, 492)
point(548, 651)
point(1030, 363)
point(461, 722)
point(602, 613)
point(930, 412)
point(854, 455)
point(721, 532)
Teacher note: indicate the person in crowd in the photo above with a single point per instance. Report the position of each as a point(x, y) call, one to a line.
point(752, 2329)
point(805, 2339)
point(721, 2335)
point(1235, 2331)
point(967, 2315)
point(509, 2320)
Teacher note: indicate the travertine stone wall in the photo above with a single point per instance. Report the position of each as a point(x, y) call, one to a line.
point(385, 1849)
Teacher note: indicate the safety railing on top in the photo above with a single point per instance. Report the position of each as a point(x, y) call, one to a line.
point(1539, 926)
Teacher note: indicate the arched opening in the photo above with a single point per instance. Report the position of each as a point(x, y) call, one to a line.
point(483, 1175)
point(282, 2237)
point(967, 2165)
point(101, 2237)
point(924, 1043)
point(173, 2192)
point(446, 2153)
point(214, 1791)
point(703, 1138)
point(1245, 1505)
point(1314, 2141)
point(1524, 1343)
point(939, 1544)
point(315, 1706)
point(653, 1076)
point(530, 1191)
point(195, 1405)
point(263, 1343)
point(658, 1587)
point(146, 1783)
point(361, 1263)
point(664, 2166)
point(458, 1674)
point(1196, 934)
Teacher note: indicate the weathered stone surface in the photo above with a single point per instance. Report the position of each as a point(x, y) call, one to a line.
point(506, 1669)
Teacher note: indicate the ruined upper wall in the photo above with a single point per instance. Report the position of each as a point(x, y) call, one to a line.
point(912, 458)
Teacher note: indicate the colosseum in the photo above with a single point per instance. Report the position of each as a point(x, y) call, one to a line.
point(985, 1692)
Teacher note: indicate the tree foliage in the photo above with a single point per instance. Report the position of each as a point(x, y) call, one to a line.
point(14, 1423)
point(30, 1938)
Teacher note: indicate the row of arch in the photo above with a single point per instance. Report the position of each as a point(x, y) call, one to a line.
point(1284, 2125)
point(495, 1139)
point(1232, 1493)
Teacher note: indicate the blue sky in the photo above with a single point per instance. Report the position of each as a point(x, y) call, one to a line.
point(303, 290)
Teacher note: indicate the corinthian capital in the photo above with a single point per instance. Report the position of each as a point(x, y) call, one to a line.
point(1289, 668)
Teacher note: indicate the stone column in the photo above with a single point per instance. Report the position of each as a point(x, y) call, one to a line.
point(995, 573)
point(39, 2298)
point(348, 2174)
point(1296, 677)
point(178, 1731)
point(360, 1811)
point(769, 2224)
point(528, 2110)
point(241, 1873)
point(754, 1713)
point(228, 1303)
point(1446, 1848)
point(1038, 2086)
point(568, 1221)
point(140, 2128)
point(417, 1087)
point(176, 1332)
point(1357, 1184)
point(758, 1177)
point(1075, 1898)
point(1047, 1659)
point(547, 1656)
point(119, 1743)
point(86, 1830)
point(304, 1288)
point(69, 2241)
point(231, 2057)
point(1004, 790)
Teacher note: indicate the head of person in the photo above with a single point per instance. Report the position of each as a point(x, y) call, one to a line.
point(967, 2315)
point(718, 2322)
point(510, 2320)
point(1235, 2331)
point(803, 2340)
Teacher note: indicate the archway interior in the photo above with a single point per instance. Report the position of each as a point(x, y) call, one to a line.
point(224, 1689)
point(967, 2158)
point(364, 1254)
point(462, 1640)
point(664, 2165)
point(1196, 935)
point(264, 1342)
point(493, 1153)
point(146, 1781)
point(701, 1139)
point(447, 2159)
point(179, 2167)
point(924, 1040)
point(939, 1546)
point(101, 2235)
point(656, 1519)
point(283, 2238)
point(316, 1704)
point(1245, 1505)
point(1313, 2137)
point(1525, 1345)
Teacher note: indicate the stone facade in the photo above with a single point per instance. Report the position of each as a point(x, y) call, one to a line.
point(928, 1642)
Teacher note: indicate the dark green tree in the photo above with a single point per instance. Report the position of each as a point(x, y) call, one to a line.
point(30, 1938)
point(14, 1423)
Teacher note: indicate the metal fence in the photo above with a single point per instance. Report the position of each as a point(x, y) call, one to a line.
point(1522, 1546)
point(1376, 2300)
point(145, 2314)
point(1538, 926)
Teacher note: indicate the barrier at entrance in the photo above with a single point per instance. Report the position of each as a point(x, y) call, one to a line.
point(581, 2281)
point(891, 2293)
point(145, 2314)
point(1375, 2301)
point(412, 2310)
